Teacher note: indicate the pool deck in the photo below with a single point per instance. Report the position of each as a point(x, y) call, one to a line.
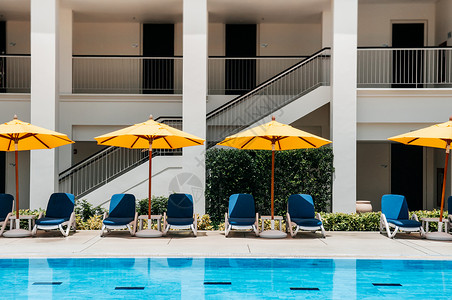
point(214, 244)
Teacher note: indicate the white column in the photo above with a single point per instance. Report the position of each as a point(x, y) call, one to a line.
point(194, 96)
point(343, 103)
point(65, 52)
point(65, 43)
point(44, 96)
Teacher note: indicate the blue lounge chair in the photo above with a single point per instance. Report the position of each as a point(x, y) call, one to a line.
point(122, 214)
point(59, 213)
point(179, 213)
point(394, 213)
point(241, 214)
point(301, 213)
point(6, 208)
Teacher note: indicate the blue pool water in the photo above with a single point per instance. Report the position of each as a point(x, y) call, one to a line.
point(224, 278)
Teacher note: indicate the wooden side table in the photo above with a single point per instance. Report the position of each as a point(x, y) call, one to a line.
point(279, 218)
point(153, 217)
point(30, 218)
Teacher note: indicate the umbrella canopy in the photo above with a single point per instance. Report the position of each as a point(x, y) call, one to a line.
point(273, 136)
point(29, 137)
point(148, 135)
point(437, 136)
point(17, 135)
point(282, 136)
point(143, 135)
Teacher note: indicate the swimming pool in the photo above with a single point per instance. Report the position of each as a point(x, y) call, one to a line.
point(220, 278)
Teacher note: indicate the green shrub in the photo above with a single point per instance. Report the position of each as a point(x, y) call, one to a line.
point(204, 222)
point(351, 222)
point(244, 171)
point(86, 210)
point(158, 205)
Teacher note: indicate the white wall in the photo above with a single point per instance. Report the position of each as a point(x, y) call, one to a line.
point(443, 21)
point(18, 37)
point(316, 122)
point(289, 39)
point(106, 38)
point(385, 113)
point(374, 21)
point(280, 39)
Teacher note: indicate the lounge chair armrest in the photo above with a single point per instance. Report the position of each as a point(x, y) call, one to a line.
point(257, 219)
point(414, 217)
point(105, 216)
point(319, 217)
point(135, 223)
point(40, 215)
point(225, 219)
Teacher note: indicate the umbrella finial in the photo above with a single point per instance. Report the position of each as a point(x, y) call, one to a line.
point(273, 118)
point(15, 117)
point(151, 117)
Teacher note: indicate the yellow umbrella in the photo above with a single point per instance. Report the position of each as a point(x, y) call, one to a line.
point(273, 136)
point(148, 135)
point(17, 135)
point(437, 136)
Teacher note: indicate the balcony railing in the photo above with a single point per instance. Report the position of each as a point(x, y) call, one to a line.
point(15, 73)
point(107, 164)
point(429, 67)
point(405, 68)
point(126, 75)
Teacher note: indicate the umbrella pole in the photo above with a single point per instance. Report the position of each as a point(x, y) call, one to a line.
point(444, 186)
point(17, 186)
point(273, 181)
point(150, 177)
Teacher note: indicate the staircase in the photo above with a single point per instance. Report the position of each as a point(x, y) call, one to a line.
point(268, 97)
point(241, 112)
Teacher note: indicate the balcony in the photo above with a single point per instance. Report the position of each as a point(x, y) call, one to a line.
point(429, 67)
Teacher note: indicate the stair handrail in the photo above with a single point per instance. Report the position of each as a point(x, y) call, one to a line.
point(265, 83)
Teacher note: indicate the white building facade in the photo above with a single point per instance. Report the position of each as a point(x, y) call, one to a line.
point(353, 71)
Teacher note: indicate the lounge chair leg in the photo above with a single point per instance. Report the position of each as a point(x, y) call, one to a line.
point(422, 232)
point(166, 228)
point(193, 228)
point(256, 231)
point(35, 229)
point(393, 233)
point(323, 231)
point(102, 231)
point(60, 227)
point(227, 228)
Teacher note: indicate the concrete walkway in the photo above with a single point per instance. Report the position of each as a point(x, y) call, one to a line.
point(214, 244)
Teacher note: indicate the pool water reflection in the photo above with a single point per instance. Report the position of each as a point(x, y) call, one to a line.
point(221, 278)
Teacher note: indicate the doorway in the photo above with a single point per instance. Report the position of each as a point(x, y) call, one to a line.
point(240, 74)
point(407, 174)
point(158, 74)
point(408, 64)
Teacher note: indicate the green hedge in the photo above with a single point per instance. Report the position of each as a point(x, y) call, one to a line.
point(331, 221)
point(233, 171)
